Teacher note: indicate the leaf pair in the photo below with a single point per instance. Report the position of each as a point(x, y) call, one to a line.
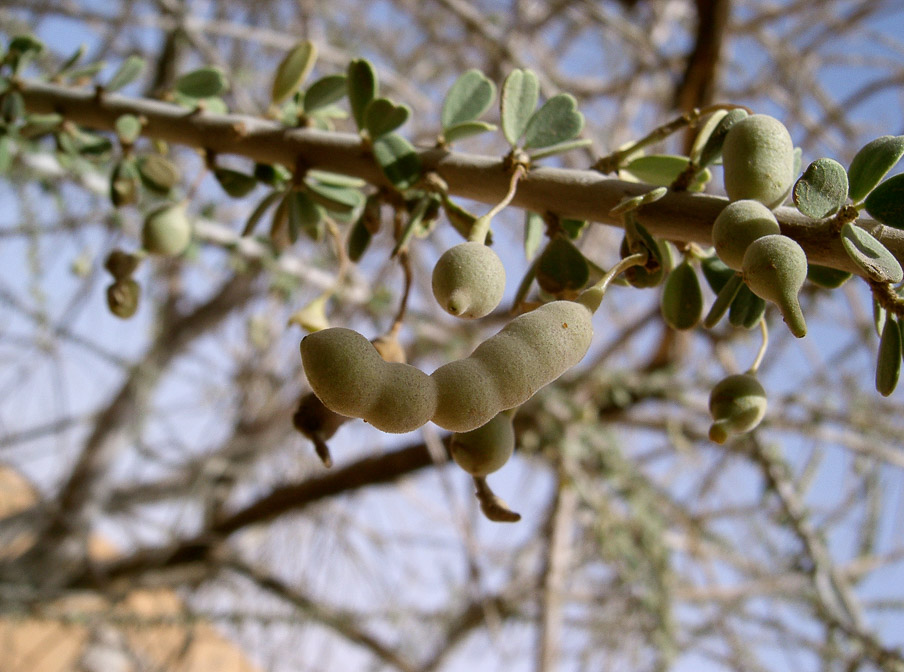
point(377, 116)
point(470, 97)
point(549, 129)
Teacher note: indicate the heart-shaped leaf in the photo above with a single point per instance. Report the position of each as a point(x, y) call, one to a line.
point(871, 256)
point(822, 189)
point(888, 363)
point(325, 91)
point(872, 163)
point(234, 183)
point(886, 202)
point(362, 88)
point(128, 72)
point(471, 95)
point(128, 128)
point(292, 71)
point(304, 215)
point(682, 299)
point(558, 120)
point(466, 130)
point(828, 278)
point(520, 93)
point(398, 160)
point(202, 83)
point(562, 267)
point(382, 116)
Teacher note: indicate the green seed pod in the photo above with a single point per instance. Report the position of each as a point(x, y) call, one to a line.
point(507, 369)
point(738, 225)
point(122, 298)
point(484, 450)
point(737, 405)
point(166, 231)
point(775, 268)
point(682, 299)
point(758, 160)
point(469, 280)
point(349, 376)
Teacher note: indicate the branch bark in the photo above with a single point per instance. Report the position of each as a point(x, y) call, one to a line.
point(578, 194)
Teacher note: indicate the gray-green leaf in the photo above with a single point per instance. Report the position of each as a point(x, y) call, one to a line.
point(872, 163)
point(682, 298)
point(325, 91)
point(871, 256)
point(398, 159)
point(382, 116)
point(234, 183)
point(362, 88)
point(557, 121)
point(886, 202)
point(466, 130)
point(471, 95)
point(888, 363)
point(520, 93)
point(128, 72)
point(822, 189)
point(202, 83)
point(292, 71)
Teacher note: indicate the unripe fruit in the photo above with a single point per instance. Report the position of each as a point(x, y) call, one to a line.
point(484, 450)
point(775, 268)
point(758, 160)
point(469, 280)
point(738, 225)
point(737, 405)
point(166, 231)
point(507, 369)
point(122, 297)
point(348, 375)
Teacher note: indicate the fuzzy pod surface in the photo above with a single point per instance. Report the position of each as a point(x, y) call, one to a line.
point(486, 449)
point(166, 231)
point(737, 405)
point(469, 280)
point(738, 225)
point(507, 369)
point(775, 269)
point(758, 160)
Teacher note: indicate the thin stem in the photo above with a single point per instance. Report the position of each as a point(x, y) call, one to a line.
point(762, 352)
point(593, 296)
point(482, 225)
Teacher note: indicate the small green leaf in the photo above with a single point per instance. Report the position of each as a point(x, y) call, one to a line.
point(871, 256)
point(259, 211)
point(471, 95)
point(657, 169)
point(559, 148)
point(638, 239)
point(746, 309)
point(822, 189)
point(12, 107)
point(573, 227)
point(304, 215)
point(533, 233)
point(466, 130)
point(880, 315)
point(37, 125)
point(398, 160)
point(202, 83)
point(520, 93)
point(712, 149)
point(325, 91)
point(358, 239)
point(460, 219)
point(234, 183)
point(70, 62)
point(6, 154)
point(335, 179)
point(705, 133)
point(682, 299)
point(337, 199)
point(25, 43)
point(557, 121)
point(828, 278)
point(124, 183)
point(562, 267)
point(128, 128)
point(362, 88)
point(715, 271)
point(128, 72)
point(382, 116)
point(886, 202)
point(872, 163)
point(158, 174)
point(274, 175)
point(85, 71)
point(725, 296)
point(888, 363)
point(292, 71)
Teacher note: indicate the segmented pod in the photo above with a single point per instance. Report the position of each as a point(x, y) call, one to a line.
point(738, 225)
point(507, 369)
point(484, 450)
point(775, 268)
point(758, 160)
point(348, 375)
point(469, 280)
point(737, 405)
